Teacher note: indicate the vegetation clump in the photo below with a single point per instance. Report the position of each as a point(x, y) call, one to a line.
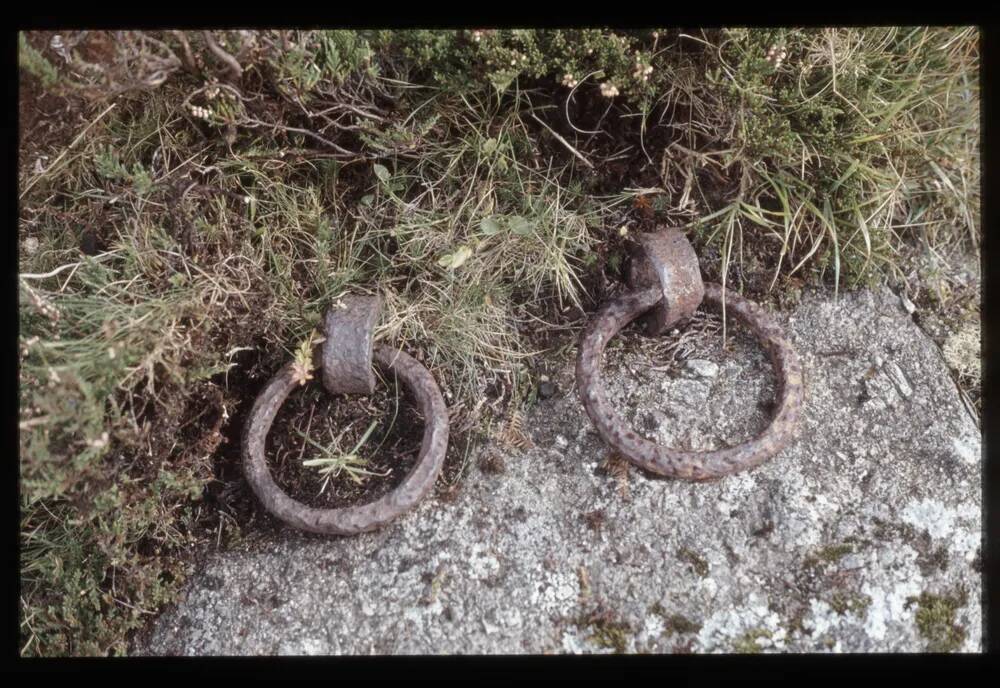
point(936, 622)
point(695, 560)
point(748, 643)
point(675, 623)
point(607, 630)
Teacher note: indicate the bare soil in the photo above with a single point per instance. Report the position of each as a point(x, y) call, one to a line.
point(391, 450)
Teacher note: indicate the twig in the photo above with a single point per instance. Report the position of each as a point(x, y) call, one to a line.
point(306, 132)
point(223, 55)
point(51, 273)
point(564, 142)
point(570, 97)
point(189, 60)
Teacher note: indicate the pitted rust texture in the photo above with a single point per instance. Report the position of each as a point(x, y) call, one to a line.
point(346, 362)
point(789, 394)
point(666, 260)
point(349, 328)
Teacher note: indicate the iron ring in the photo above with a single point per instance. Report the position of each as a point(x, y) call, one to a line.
point(690, 465)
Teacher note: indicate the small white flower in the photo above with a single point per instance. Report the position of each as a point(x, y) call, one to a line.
point(100, 442)
point(30, 245)
point(201, 112)
point(776, 55)
point(623, 230)
point(609, 90)
point(642, 71)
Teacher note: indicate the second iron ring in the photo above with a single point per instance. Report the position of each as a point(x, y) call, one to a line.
point(666, 287)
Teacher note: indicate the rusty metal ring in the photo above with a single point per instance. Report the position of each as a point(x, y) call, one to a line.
point(674, 463)
point(364, 517)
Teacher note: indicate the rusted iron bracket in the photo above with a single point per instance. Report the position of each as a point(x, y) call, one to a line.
point(667, 288)
point(346, 368)
point(666, 260)
point(349, 329)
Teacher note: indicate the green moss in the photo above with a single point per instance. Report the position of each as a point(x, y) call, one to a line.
point(674, 623)
point(935, 620)
point(747, 643)
point(697, 562)
point(828, 554)
point(856, 604)
point(680, 624)
point(611, 636)
point(835, 552)
point(607, 630)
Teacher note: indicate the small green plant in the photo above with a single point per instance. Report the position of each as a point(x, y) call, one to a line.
point(303, 362)
point(333, 463)
point(319, 58)
point(109, 165)
point(33, 62)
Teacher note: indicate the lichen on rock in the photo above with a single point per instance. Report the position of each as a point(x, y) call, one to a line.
point(854, 539)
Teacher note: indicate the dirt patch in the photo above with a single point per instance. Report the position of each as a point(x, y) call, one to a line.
point(41, 122)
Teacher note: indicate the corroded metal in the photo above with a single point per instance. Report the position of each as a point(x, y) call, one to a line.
point(690, 465)
point(666, 259)
point(364, 517)
point(349, 330)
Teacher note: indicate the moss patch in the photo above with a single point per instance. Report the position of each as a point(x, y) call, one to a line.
point(828, 555)
point(675, 624)
point(698, 563)
point(747, 643)
point(607, 629)
point(855, 603)
point(936, 620)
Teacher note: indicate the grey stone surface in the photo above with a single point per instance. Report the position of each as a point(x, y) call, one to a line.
point(862, 537)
